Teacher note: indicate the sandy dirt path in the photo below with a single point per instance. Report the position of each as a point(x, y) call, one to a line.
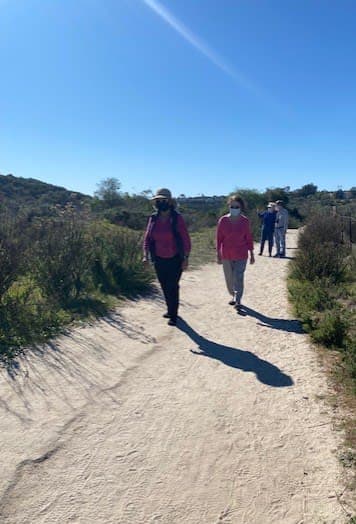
point(130, 421)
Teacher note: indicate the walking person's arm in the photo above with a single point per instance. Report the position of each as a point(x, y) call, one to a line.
point(183, 231)
point(219, 240)
point(250, 246)
point(146, 243)
point(286, 221)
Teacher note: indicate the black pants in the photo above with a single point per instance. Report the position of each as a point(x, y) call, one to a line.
point(267, 234)
point(169, 271)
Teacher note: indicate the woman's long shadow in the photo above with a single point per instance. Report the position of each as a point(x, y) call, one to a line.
point(266, 372)
point(291, 326)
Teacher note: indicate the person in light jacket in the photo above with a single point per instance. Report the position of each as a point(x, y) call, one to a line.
point(167, 244)
point(280, 229)
point(234, 243)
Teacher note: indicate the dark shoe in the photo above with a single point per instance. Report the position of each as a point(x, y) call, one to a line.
point(232, 302)
point(172, 322)
point(277, 255)
point(260, 254)
point(166, 315)
point(240, 310)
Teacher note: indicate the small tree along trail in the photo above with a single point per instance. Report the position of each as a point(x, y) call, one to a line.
point(130, 421)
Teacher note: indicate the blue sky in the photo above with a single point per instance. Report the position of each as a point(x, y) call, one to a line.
point(201, 96)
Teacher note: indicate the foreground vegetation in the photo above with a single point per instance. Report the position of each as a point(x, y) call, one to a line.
point(55, 270)
point(322, 285)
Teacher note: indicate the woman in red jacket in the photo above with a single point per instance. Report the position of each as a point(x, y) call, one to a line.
point(234, 242)
point(167, 244)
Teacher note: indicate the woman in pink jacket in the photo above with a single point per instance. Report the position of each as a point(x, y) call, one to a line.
point(234, 242)
point(167, 244)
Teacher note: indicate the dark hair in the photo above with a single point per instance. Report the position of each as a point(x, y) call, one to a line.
point(237, 198)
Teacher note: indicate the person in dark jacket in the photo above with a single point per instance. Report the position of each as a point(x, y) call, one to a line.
point(268, 224)
point(167, 244)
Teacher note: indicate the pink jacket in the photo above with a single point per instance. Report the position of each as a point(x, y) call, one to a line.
point(162, 234)
point(233, 238)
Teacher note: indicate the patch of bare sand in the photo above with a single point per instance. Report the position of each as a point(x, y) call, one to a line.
point(130, 421)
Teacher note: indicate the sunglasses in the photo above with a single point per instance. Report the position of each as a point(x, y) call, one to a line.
point(235, 207)
point(161, 200)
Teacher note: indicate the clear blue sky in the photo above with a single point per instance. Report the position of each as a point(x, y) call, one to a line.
point(201, 96)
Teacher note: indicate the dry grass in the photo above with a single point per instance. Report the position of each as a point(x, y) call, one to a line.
point(203, 248)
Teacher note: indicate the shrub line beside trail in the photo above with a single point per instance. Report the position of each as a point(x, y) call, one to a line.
point(55, 270)
point(322, 287)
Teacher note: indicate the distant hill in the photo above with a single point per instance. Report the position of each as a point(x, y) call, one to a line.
point(29, 194)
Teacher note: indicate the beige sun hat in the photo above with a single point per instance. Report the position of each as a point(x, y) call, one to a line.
point(163, 193)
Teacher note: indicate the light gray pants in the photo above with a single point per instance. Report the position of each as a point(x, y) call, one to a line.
point(234, 277)
point(280, 238)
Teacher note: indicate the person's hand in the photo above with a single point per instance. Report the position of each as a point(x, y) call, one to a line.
point(218, 260)
point(252, 258)
point(185, 264)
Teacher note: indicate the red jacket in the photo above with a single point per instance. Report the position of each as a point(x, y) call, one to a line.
point(234, 238)
point(161, 233)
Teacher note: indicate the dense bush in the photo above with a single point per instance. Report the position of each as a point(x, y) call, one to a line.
point(117, 259)
point(61, 259)
point(10, 254)
point(26, 317)
point(69, 266)
point(321, 286)
point(321, 252)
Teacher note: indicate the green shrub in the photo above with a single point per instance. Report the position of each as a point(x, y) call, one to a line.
point(321, 253)
point(10, 254)
point(26, 317)
point(350, 359)
point(309, 298)
point(330, 328)
point(117, 260)
point(322, 289)
point(70, 264)
point(62, 258)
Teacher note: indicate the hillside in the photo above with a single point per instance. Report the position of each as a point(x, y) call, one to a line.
point(29, 194)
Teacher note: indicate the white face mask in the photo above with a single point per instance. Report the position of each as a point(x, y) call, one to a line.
point(235, 211)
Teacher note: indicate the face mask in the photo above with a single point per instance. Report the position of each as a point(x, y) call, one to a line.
point(235, 211)
point(162, 206)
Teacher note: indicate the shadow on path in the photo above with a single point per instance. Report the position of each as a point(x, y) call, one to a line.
point(291, 326)
point(266, 372)
point(75, 359)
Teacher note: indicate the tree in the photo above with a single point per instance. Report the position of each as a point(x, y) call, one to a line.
point(253, 198)
point(307, 189)
point(109, 191)
point(339, 194)
point(353, 191)
point(277, 193)
point(147, 193)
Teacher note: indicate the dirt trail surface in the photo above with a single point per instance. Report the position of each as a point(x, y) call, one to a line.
point(130, 421)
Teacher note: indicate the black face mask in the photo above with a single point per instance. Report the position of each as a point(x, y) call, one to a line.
point(162, 206)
